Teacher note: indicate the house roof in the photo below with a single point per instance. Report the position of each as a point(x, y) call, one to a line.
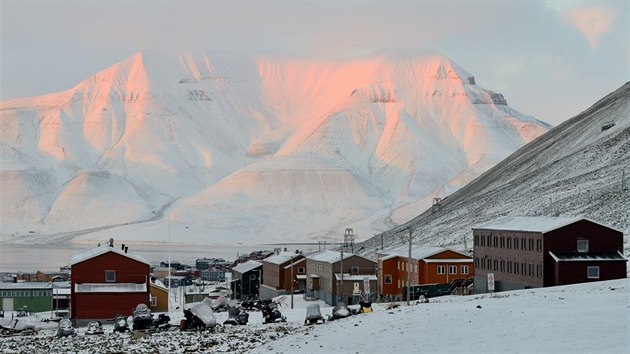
point(541, 224)
point(247, 266)
point(587, 256)
point(281, 258)
point(330, 256)
point(97, 251)
point(301, 260)
point(110, 288)
point(419, 252)
point(26, 285)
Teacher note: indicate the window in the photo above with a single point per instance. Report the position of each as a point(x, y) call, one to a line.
point(483, 242)
point(523, 269)
point(516, 243)
point(531, 244)
point(398, 267)
point(523, 244)
point(494, 242)
point(539, 271)
point(502, 266)
point(441, 269)
point(592, 272)
point(301, 270)
point(509, 242)
point(354, 270)
point(110, 276)
point(464, 269)
point(496, 265)
point(153, 301)
point(388, 279)
point(452, 269)
point(476, 240)
point(531, 270)
point(509, 266)
point(539, 245)
point(582, 246)
point(502, 245)
point(515, 267)
point(398, 283)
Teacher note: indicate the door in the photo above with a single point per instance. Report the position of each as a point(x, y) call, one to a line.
point(7, 304)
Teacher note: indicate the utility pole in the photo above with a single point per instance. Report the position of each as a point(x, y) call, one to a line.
point(169, 267)
point(341, 287)
point(409, 269)
point(291, 281)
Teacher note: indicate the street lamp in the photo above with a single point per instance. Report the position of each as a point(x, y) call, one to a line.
point(291, 281)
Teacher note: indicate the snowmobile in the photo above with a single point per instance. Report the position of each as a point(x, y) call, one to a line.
point(162, 323)
point(271, 313)
point(16, 325)
point(64, 328)
point(219, 304)
point(366, 306)
point(142, 319)
point(341, 310)
point(121, 325)
point(236, 316)
point(198, 317)
point(94, 327)
point(313, 315)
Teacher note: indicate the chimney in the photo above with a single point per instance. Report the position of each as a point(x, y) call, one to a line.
point(111, 242)
point(122, 247)
point(126, 248)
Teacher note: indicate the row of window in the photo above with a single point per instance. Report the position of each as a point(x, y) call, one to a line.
point(452, 269)
point(517, 243)
point(405, 266)
point(25, 293)
point(519, 268)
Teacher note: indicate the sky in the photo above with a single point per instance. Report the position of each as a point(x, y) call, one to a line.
point(550, 59)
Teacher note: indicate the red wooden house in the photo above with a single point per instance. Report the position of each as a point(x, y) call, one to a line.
point(106, 282)
point(429, 265)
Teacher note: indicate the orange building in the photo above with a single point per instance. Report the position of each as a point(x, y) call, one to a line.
point(159, 297)
point(429, 265)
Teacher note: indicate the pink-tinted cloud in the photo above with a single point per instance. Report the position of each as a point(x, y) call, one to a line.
point(592, 21)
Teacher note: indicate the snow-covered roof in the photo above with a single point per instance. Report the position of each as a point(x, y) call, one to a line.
point(328, 256)
point(110, 288)
point(26, 285)
point(97, 251)
point(419, 252)
point(303, 259)
point(281, 258)
point(527, 223)
point(449, 260)
point(587, 256)
point(247, 266)
point(355, 277)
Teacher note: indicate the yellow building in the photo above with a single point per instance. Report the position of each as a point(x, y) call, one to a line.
point(159, 297)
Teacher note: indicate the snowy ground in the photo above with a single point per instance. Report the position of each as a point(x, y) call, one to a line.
point(585, 318)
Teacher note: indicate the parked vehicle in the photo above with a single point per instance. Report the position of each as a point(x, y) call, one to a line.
point(16, 326)
point(341, 310)
point(236, 316)
point(121, 325)
point(64, 328)
point(142, 319)
point(94, 327)
point(198, 317)
point(313, 315)
point(163, 322)
point(271, 313)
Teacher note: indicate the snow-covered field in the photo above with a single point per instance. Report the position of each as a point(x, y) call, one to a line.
point(583, 318)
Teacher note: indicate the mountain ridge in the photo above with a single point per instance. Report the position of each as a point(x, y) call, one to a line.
point(211, 134)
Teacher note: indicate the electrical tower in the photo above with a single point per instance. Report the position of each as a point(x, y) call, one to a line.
point(348, 240)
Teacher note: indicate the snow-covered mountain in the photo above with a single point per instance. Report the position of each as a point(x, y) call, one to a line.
point(248, 148)
point(579, 168)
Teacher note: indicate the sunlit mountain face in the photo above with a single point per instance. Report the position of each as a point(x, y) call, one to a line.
point(248, 148)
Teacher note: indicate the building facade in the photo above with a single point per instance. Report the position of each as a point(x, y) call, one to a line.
point(277, 273)
point(246, 279)
point(528, 252)
point(428, 265)
point(324, 271)
point(107, 282)
point(28, 296)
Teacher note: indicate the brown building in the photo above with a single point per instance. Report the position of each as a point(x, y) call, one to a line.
point(429, 265)
point(106, 282)
point(529, 252)
point(324, 273)
point(277, 273)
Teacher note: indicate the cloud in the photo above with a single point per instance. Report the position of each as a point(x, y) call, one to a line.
point(592, 21)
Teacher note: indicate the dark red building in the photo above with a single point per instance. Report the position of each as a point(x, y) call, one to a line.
point(107, 282)
point(529, 252)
